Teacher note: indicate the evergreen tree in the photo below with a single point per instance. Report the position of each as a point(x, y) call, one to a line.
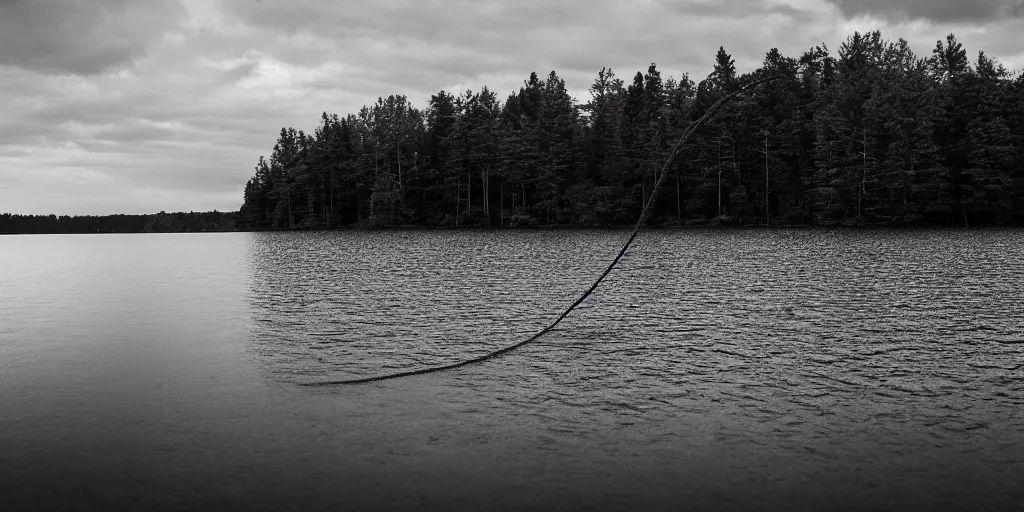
point(873, 134)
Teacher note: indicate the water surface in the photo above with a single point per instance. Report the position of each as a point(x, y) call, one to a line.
point(800, 369)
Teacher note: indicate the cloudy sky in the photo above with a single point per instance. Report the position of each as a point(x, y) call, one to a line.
point(132, 106)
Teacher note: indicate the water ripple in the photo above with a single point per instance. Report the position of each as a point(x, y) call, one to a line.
point(909, 335)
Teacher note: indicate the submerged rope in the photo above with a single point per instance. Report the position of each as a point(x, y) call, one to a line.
point(636, 230)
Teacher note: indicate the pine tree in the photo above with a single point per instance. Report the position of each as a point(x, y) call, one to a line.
point(555, 123)
point(988, 181)
point(874, 134)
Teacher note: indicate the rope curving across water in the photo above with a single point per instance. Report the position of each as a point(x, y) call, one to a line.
point(636, 230)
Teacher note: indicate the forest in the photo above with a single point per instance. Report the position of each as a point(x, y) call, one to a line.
point(162, 222)
point(872, 135)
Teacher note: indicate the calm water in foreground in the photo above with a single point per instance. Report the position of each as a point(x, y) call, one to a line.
point(786, 370)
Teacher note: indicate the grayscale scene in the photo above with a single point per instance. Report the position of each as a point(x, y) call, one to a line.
point(695, 255)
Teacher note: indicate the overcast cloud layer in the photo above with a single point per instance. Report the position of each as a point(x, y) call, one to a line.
point(120, 106)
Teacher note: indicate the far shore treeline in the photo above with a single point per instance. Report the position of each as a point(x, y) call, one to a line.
point(162, 222)
point(871, 135)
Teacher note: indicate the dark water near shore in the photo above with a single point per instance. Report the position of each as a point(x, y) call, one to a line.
point(735, 370)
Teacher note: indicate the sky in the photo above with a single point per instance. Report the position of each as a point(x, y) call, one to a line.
point(141, 106)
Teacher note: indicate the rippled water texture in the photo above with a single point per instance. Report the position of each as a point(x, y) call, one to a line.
point(711, 370)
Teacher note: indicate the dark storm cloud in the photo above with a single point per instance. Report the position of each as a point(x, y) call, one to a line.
point(180, 99)
point(138, 106)
point(943, 11)
point(76, 36)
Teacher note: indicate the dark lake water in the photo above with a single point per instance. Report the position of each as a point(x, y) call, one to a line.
point(731, 370)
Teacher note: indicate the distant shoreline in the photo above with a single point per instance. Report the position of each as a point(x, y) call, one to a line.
point(107, 225)
point(162, 222)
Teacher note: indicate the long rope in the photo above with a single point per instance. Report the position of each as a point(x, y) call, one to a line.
point(636, 230)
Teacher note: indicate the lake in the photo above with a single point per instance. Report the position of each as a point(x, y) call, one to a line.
point(712, 370)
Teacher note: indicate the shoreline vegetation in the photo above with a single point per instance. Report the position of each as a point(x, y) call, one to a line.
point(110, 224)
point(871, 135)
point(163, 222)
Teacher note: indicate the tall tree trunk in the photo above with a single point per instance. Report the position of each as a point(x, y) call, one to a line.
point(289, 205)
point(679, 200)
point(767, 209)
point(487, 194)
point(719, 178)
point(719, 191)
point(401, 189)
point(863, 176)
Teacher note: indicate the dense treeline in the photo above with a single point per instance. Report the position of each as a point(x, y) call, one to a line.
point(156, 223)
point(871, 135)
